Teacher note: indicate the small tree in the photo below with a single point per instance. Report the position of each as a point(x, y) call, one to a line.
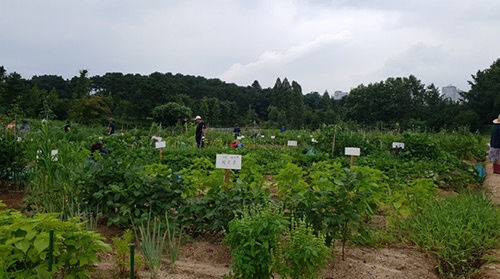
point(171, 114)
point(89, 109)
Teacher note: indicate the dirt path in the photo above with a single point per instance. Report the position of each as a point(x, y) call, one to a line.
point(492, 187)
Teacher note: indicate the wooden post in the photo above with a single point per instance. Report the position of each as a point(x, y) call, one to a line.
point(161, 154)
point(352, 160)
point(333, 145)
point(132, 256)
point(226, 179)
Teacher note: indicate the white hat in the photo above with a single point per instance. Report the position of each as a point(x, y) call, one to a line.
point(197, 117)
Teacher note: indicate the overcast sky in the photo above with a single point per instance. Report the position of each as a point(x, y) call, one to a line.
point(324, 45)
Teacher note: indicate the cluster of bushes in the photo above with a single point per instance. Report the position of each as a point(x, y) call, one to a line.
point(333, 200)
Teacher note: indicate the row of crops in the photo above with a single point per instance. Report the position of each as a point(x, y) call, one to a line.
point(279, 213)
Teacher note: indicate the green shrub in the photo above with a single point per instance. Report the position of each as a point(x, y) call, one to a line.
point(467, 146)
point(121, 190)
point(420, 146)
point(25, 245)
point(301, 253)
point(459, 230)
point(213, 211)
point(252, 238)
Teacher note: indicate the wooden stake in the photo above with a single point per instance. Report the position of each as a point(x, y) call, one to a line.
point(226, 179)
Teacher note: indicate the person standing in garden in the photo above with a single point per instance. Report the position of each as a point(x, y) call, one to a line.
point(201, 129)
point(236, 131)
point(494, 152)
point(24, 128)
point(111, 127)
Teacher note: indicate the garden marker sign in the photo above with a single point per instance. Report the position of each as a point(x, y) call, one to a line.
point(292, 143)
point(398, 145)
point(160, 145)
point(352, 151)
point(53, 155)
point(228, 162)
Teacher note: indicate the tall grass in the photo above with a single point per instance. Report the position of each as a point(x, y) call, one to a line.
point(458, 230)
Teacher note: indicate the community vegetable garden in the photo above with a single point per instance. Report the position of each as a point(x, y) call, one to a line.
point(280, 214)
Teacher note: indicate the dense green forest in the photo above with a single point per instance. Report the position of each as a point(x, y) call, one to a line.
point(396, 103)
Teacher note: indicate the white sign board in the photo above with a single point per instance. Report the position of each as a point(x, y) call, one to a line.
point(292, 143)
point(273, 137)
point(398, 145)
point(353, 151)
point(53, 154)
point(228, 161)
point(160, 144)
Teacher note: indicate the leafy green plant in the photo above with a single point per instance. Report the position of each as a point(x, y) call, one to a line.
point(465, 145)
point(13, 158)
point(301, 253)
point(122, 254)
point(252, 238)
point(211, 213)
point(400, 202)
point(459, 230)
point(291, 186)
point(420, 145)
point(337, 211)
point(120, 190)
point(25, 245)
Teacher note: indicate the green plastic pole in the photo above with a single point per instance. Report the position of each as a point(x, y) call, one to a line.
point(132, 251)
point(51, 249)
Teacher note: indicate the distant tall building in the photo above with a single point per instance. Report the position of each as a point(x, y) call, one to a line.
point(450, 92)
point(337, 95)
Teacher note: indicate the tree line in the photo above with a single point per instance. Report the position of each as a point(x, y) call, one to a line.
point(397, 102)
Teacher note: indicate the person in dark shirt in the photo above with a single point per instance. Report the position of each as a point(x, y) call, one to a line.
point(201, 129)
point(494, 152)
point(67, 127)
point(97, 147)
point(111, 127)
point(236, 131)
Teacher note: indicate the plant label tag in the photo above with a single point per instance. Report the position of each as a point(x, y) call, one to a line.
point(160, 144)
point(292, 143)
point(352, 151)
point(228, 161)
point(53, 155)
point(398, 145)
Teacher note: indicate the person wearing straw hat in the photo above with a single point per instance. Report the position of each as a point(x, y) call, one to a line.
point(201, 129)
point(494, 152)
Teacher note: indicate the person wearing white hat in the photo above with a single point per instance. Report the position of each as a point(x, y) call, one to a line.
point(200, 132)
point(494, 152)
